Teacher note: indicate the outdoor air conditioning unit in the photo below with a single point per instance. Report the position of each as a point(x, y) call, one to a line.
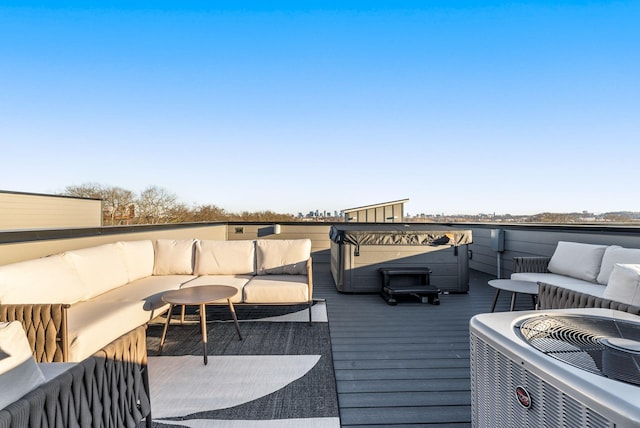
point(556, 368)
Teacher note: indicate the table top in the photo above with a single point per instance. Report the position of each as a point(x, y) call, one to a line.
point(199, 295)
point(515, 286)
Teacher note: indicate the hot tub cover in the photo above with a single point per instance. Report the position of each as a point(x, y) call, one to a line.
point(399, 234)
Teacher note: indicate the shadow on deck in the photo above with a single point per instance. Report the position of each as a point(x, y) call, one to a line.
point(405, 365)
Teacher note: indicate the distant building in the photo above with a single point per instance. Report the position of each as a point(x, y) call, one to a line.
point(28, 211)
point(386, 212)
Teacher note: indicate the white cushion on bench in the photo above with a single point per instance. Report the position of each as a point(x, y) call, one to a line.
point(138, 257)
point(19, 372)
point(555, 279)
point(46, 280)
point(95, 323)
point(578, 260)
point(624, 284)
point(282, 256)
point(225, 257)
point(616, 254)
point(173, 257)
point(101, 268)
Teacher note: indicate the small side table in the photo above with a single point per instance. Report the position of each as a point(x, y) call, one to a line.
point(515, 287)
point(201, 295)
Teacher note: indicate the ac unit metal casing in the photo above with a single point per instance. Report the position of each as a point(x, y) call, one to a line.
point(504, 367)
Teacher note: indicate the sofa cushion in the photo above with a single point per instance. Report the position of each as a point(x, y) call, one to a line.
point(224, 257)
point(577, 260)
point(624, 284)
point(282, 256)
point(555, 279)
point(173, 257)
point(616, 254)
point(46, 280)
point(100, 268)
point(19, 372)
point(138, 257)
point(277, 289)
point(236, 281)
point(95, 323)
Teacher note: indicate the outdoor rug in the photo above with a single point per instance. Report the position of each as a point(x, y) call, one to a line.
point(279, 375)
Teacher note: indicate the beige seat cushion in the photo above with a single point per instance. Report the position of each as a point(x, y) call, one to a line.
point(282, 256)
point(95, 323)
point(236, 281)
point(225, 258)
point(277, 289)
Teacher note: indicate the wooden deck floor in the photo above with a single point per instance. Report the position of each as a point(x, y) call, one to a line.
point(404, 365)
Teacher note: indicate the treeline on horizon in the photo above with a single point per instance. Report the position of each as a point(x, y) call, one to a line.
point(156, 205)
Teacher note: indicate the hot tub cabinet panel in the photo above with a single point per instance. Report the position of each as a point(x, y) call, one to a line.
point(358, 251)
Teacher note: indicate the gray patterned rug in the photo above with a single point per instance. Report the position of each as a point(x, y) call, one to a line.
point(279, 375)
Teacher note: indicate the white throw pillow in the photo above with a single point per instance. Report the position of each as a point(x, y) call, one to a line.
point(624, 284)
point(282, 256)
point(616, 254)
point(19, 372)
point(173, 257)
point(225, 257)
point(577, 260)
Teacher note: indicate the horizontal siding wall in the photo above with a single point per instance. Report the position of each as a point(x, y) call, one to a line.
point(22, 211)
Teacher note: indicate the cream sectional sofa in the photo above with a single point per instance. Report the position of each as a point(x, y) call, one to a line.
point(581, 275)
point(74, 303)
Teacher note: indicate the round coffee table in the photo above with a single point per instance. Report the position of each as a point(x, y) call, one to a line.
point(515, 287)
point(201, 296)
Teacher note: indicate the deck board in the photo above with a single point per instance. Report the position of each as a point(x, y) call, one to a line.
point(405, 365)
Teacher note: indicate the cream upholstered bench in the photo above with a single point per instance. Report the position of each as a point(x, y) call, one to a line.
point(581, 275)
point(73, 304)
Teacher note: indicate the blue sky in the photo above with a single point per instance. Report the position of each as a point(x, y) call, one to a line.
point(512, 107)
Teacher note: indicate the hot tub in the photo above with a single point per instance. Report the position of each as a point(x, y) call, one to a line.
point(359, 250)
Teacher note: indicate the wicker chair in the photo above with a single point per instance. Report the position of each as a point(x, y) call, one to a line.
point(108, 389)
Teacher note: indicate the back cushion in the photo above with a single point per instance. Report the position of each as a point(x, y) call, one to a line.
point(19, 372)
point(624, 284)
point(282, 256)
point(138, 257)
point(224, 258)
point(101, 268)
point(577, 260)
point(616, 254)
point(173, 257)
point(46, 280)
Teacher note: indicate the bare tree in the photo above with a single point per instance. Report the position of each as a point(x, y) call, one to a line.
point(209, 213)
point(117, 203)
point(86, 190)
point(155, 204)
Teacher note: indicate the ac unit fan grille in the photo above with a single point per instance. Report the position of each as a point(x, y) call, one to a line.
point(604, 346)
